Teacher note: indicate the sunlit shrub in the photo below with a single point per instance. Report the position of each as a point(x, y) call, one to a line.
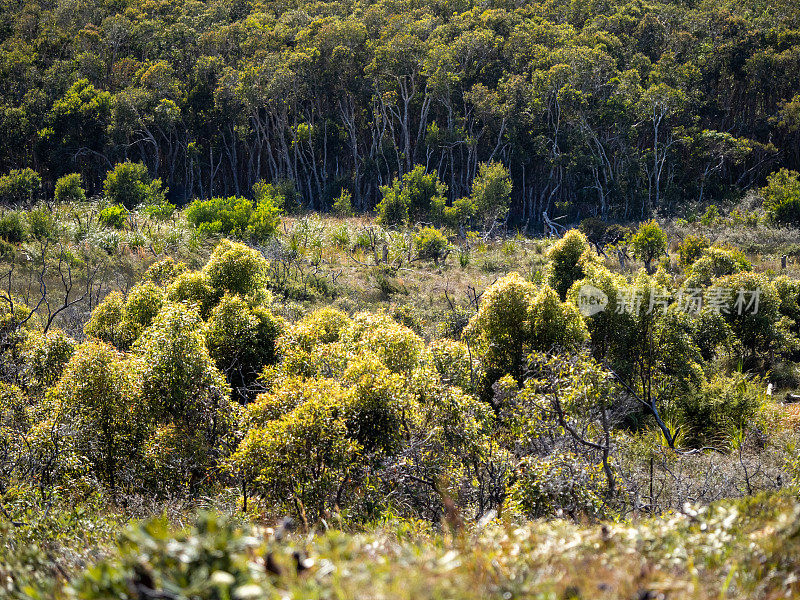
point(94, 404)
point(107, 322)
point(20, 186)
point(113, 217)
point(194, 289)
point(721, 408)
point(183, 391)
point(235, 268)
point(559, 485)
point(129, 184)
point(431, 243)
point(45, 356)
point(568, 260)
point(69, 189)
point(242, 340)
point(648, 243)
point(691, 248)
point(300, 461)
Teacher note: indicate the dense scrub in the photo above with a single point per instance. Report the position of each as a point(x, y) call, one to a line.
point(345, 375)
point(611, 109)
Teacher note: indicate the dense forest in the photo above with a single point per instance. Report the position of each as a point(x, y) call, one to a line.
point(611, 109)
point(399, 299)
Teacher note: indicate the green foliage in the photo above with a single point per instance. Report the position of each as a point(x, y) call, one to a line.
point(129, 184)
point(185, 395)
point(569, 259)
point(282, 194)
point(221, 215)
point(395, 345)
point(491, 192)
point(691, 248)
point(716, 262)
point(750, 305)
point(431, 243)
point(19, 186)
point(648, 243)
point(460, 213)
point(721, 409)
point(143, 303)
point(41, 223)
point(782, 197)
point(374, 412)
point(264, 222)
point(164, 272)
point(300, 460)
point(242, 340)
point(343, 205)
point(194, 289)
point(94, 401)
point(107, 322)
point(206, 562)
point(69, 188)
point(12, 227)
point(515, 319)
point(237, 269)
point(543, 487)
point(237, 216)
point(113, 217)
point(45, 356)
point(416, 196)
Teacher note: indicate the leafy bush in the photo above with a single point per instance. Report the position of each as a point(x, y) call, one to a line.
point(94, 405)
point(12, 228)
point(648, 243)
point(264, 222)
point(343, 205)
point(185, 395)
point(143, 303)
point(164, 272)
point(750, 304)
point(515, 319)
point(194, 289)
point(460, 213)
point(235, 268)
point(491, 192)
point(373, 413)
point(715, 262)
point(45, 356)
point(161, 211)
point(556, 485)
point(281, 194)
point(417, 195)
point(691, 248)
point(782, 197)
point(396, 346)
point(242, 340)
point(41, 223)
point(69, 189)
point(431, 243)
point(208, 561)
point(113, 217)
point(221, 215)
point(236, 216)
point(20, 186)
point(108, 323)
point(130, 185)
point(300, 461)
point(568, 260)
point(721, 408)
